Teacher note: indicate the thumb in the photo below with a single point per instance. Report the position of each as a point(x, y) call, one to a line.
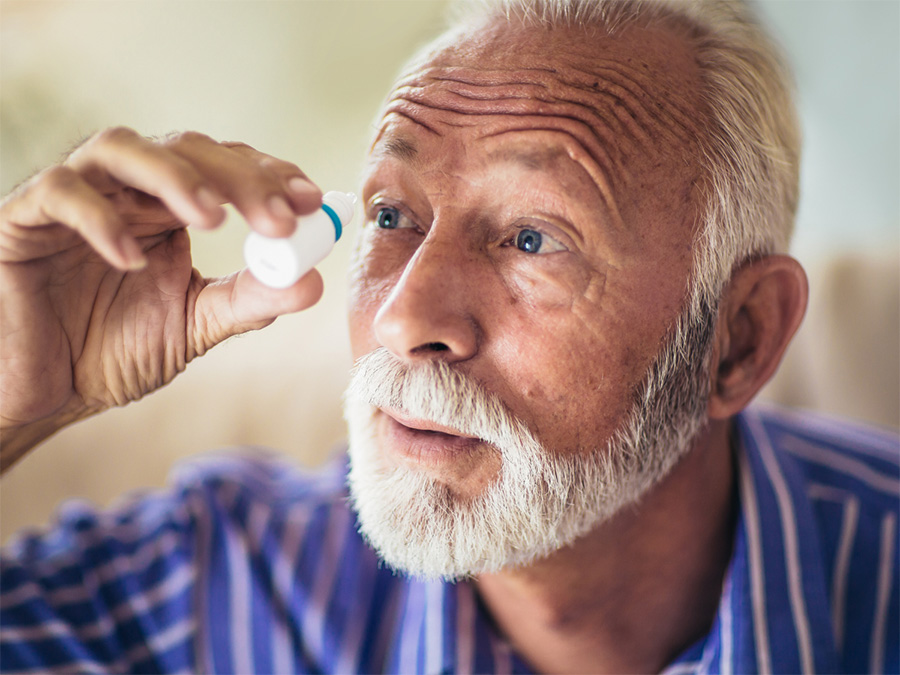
point(239, 303)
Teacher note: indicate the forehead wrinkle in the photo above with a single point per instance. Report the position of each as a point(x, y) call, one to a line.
point(582, 98)
point(453, 109)
point(538, 158)
point(377, 148)
point(612, 95)
point(600, 142)
point(667, 107)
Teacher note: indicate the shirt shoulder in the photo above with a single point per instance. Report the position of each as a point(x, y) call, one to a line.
point(120, 588)
point(839, 481)
point(836, 456)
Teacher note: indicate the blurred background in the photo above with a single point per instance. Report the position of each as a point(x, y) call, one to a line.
point(304, 80)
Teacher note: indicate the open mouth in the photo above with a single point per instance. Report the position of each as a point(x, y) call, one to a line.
point(423, 441)
point(425, 426)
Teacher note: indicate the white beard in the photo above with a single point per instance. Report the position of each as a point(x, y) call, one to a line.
point(542, 500)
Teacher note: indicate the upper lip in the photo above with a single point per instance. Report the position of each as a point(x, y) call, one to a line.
point(422, 425)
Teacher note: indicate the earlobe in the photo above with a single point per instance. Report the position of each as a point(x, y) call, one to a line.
point(761, 309)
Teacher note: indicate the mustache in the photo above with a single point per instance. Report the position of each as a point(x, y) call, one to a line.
point(434, 391)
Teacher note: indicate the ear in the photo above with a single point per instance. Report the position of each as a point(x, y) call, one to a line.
point(761, 309)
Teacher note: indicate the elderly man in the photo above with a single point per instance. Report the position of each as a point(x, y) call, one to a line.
point(570, 285)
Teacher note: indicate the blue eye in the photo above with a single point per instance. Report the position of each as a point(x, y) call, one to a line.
point(387, 218)
point(529, 241)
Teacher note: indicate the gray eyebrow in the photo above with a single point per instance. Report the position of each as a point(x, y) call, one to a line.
point(400, 148)
point(531, 158)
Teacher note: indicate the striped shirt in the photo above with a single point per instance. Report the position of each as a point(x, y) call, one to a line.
point(248, 565)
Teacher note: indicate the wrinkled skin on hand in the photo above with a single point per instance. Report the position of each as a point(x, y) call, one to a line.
point(101, 303)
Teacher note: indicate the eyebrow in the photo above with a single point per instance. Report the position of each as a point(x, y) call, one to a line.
point(401, 149)
point(531, 158)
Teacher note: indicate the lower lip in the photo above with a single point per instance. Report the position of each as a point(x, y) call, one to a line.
point(428, 448)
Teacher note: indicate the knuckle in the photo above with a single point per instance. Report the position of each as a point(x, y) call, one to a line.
point(239, 146)
point(271, 164)
point(113, 136)
point(280, 167)
point(54, 179)
point(187, 138)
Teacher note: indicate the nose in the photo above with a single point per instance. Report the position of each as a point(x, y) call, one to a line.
point(427, 314)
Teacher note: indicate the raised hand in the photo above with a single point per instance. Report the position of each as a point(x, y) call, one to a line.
point(100, 302)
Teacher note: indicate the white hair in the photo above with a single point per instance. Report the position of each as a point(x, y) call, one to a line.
point(751, 149)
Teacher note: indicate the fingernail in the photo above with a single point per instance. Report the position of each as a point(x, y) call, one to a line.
point(302, 187)
point(208, 199)
point(279, 208)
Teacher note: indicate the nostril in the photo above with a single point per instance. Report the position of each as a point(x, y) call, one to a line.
point(432, 347)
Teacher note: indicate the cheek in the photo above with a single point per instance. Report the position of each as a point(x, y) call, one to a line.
point(568, 375)
point(551, 283)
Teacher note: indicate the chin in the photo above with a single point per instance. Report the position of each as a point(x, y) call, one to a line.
point(421, 526)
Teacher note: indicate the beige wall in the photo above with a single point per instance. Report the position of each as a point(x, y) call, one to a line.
point(302, 80)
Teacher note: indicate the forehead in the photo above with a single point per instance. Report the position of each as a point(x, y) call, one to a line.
point(620, 105)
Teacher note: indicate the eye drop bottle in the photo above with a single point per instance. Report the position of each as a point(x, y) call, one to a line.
point(278, 262)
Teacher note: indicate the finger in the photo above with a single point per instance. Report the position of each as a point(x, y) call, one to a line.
point(239, 303)
point(304, 195)
point(259, 192)
point(137, 162)
point(60, 195)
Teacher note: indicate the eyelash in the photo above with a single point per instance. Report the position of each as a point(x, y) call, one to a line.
point(513, 241)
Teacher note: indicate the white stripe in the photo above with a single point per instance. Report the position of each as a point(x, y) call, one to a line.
point(838, 462)
point(434, 626)
point(705, 663)
point(351, 645)
point(757, 575)
point(683, 668)
point(323, 585)
point(885, 567)
point(49, 628)
point(258, 517)
point(725, 661)
point(849, 523)
point(411, 628)
point(240, 624)
point(465, 628)
point(103, 627)
point(389, 633)
point(871, 441)
point(842, 569)
point(78, 668)
point(791, 547)
point(150, 552)
point(143, 603)
point(502, 655)
point(203, 647)
point(284, 569)
point(161, 642)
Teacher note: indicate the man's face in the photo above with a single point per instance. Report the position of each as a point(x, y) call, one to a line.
point(530, 207)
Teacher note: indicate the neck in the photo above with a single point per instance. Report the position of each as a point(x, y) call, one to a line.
point(638, 589)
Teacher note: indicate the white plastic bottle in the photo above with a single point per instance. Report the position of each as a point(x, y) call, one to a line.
point(279, 262)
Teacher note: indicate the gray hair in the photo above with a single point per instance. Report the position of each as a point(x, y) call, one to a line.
point(751, 153)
